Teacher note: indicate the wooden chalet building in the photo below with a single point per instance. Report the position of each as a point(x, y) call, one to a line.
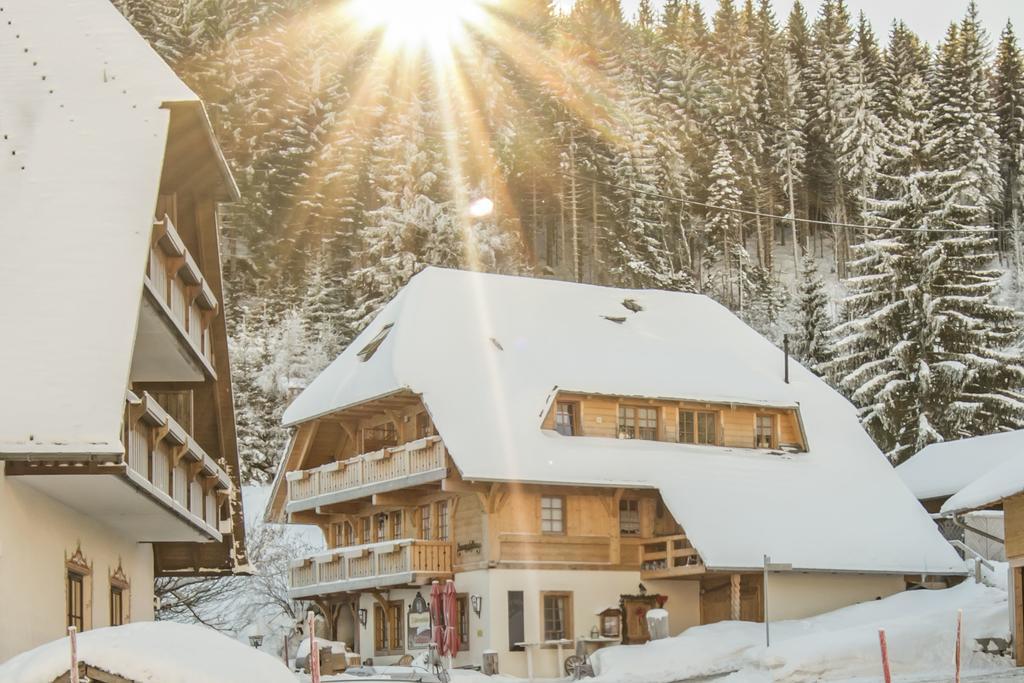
point(117, 438)
point(1001, 489)
point(572, 456)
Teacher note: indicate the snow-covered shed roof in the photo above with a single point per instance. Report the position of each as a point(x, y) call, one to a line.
point(151, 651)
point(1002, 481)
point(942, 469)
point(487, 354)
point(85, 116)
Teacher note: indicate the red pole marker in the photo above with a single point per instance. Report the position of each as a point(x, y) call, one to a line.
point(885, 656)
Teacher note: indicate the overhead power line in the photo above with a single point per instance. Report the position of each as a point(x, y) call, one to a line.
point(759, 214)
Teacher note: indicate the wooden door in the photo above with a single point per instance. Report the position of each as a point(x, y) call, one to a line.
point(716, 599)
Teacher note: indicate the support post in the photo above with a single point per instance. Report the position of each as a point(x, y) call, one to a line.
point(885, 656)
point(959, 644)
point(73, 670)
point(734, 597)
point(764, 598)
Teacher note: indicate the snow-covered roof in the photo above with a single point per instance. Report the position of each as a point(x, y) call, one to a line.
point(1002, 481)
point(487, 353)
point(84, 122)
point(942, 469)
point(161, 651)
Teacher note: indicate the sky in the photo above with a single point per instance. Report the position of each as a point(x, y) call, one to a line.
point(929, 18)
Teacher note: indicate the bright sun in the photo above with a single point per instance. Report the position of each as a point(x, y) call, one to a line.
point(412, 24)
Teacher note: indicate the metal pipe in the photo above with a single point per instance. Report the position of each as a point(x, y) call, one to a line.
point(958, 521)
point(785, 353)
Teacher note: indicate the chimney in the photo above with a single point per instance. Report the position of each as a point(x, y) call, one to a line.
point(785, 353)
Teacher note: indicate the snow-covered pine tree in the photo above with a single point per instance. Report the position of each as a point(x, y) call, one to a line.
point(1008, 87)
point(789, 152)
point(831, 75)
point(724, 228)
point(858, 147)
point(812, 321)
point(965, 123)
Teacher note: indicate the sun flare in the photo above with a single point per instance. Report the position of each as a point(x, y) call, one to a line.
point(437, 25)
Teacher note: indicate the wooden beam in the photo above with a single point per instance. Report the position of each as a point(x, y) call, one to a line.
point(399, 498)
point(303, 443)
point(453, 484)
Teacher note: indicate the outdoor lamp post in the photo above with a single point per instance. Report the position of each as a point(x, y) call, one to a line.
point(256, 640)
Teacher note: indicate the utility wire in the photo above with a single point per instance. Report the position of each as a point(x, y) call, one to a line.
point(747, 212)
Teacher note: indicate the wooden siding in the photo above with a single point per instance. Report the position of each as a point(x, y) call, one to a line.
point(1013, 520)
point(599, 415)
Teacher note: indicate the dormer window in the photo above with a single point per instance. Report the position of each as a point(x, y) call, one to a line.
point(566, 420)
point(638, 422)
point(698, 426)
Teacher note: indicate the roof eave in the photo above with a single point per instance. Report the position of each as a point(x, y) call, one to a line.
point(229, 188)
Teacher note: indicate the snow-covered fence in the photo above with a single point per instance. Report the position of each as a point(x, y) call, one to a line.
point(388, 464)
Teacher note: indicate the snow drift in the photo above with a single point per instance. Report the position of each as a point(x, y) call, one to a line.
point(151, 652)
point(920, 628)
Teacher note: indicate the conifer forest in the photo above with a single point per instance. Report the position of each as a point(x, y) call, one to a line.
point(845, 185)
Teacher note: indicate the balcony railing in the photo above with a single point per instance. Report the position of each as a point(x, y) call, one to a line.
point(164, 458)
point(175, 281)
point(389, 563)
point(669, 556)
point(411, 464)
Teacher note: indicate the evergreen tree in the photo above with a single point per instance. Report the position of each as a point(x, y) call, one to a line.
point(1008, 87)
point(812, 341)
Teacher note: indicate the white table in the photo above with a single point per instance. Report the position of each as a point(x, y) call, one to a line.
point(531, 646)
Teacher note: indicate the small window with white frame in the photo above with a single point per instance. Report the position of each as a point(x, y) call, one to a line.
point(552, 514)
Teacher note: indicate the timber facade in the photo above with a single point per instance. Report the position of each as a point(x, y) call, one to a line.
point(396, 515)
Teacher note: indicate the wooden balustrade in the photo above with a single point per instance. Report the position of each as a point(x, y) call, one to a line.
point(668, 556)
point(376, 564)
point(387, 465)
point(176, 282)
point(160, 451)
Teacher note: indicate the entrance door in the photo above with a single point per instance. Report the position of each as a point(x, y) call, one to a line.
point(716, 599)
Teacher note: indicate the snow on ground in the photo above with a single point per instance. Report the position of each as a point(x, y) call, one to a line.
point(840, 645)
point(151, 652)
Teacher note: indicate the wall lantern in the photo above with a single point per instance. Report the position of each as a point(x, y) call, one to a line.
point(362, 616)
point(419, 605)
point(477, 602)
point(256, 641)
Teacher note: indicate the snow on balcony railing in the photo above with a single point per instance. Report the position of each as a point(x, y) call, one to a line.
point(176, 282)
point(160, 451)
point(667, 556)
point(388, 464)
point(386, 560)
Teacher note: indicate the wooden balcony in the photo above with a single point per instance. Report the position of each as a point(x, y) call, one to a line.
point(164, 458)
point(417, 462)
point(667, 557)
point(402, 562)
point(164, 488)
point(180, 292)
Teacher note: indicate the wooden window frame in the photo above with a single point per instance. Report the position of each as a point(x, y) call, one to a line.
point(74, 578)
point(78, 570)
point(575, 412)
point(380, 527)
point(443, 523)
point(395, 524)
point(687, 435)
point(562, 508)
point(567, 627)
point(639, 519)
point(716, 420)
point(620, 417)
point(120, 586)
point(462, 620)
point(366, 529)
point(424, 425)
point(426, 522)
point(389, 628)
point(773, 434)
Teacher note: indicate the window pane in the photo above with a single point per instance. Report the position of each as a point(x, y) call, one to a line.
point(381, 527)
point(116, 608)
point(442, 520)
point(627, 422)
point(396, 524)
point(555, 614)
point(707, 423)
point(565, 419)
point(425, 530)
point(647, 423)
point(552, 520)
point(686, 426)
point(765, 431)
point(629, 517)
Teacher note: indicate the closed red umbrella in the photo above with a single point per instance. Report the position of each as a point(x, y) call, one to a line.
point(451, 616)
point(436, 616)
